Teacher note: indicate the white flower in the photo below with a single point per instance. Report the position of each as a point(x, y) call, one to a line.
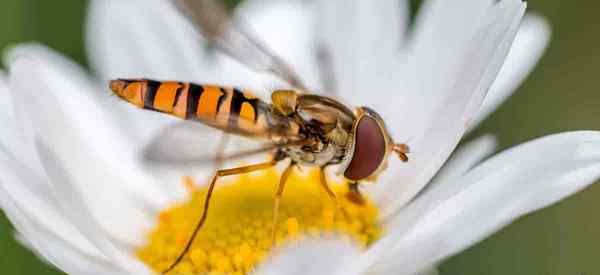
point(70, 183)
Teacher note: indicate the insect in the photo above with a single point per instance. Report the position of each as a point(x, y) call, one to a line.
point(304, 128)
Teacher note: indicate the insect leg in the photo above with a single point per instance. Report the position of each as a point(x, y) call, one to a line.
point(354, 194)
point(218, 174)
point(323, 182)
point(278, 194)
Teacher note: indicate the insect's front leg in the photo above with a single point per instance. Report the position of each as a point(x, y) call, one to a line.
point(280, 187)
point(330, 193)
point(354, 194)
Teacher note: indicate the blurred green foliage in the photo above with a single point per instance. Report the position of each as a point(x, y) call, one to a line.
point(562, 94)
point(59, 26)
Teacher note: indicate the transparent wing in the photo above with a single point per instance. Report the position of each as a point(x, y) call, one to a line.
point(230, 36)
point(187, 144)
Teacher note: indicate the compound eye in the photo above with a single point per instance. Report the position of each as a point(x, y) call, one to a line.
point(369, 149)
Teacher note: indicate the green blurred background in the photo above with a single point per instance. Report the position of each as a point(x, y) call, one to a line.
point(562, 94)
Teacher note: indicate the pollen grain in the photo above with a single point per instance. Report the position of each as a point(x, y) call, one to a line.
point(237, 234)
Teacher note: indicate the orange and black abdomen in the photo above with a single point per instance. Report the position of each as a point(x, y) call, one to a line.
point(220, 107)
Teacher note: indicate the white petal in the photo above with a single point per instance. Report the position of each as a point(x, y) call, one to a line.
point(52, 248)
point(76, 207)
point(453, 80)
point(7, 116)
point(77, 80)
point(285, 27)
point(90, 108)
point(39, 222)
point(466, 157)
point(71, 85)
point(6, 110)
point(455, 215)
point(70, 261)
point(314, 257)
point(363, 41)
point(15, 141)
point(529, 46)
point(11, 140)
point(38, 202)
point(152, 39)
point(429, 271)
point(98, 172)
point(133, 125)
point(444, 34)
point(132, 39)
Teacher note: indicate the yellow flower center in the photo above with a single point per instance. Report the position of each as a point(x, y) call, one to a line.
point(237, 232)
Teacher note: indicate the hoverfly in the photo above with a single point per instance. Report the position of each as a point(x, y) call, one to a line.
point(307, 129)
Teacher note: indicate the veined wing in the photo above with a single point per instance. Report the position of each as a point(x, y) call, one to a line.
point(187, 145)
point(217, 24)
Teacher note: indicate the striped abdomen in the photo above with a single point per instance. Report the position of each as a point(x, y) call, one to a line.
point(227, 109)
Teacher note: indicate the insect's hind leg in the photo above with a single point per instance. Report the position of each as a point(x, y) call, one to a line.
point(218, 174)
point(280, 187)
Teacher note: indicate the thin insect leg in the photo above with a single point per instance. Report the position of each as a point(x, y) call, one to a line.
point(331, 194)
point(278, 194)
point(218, 174)
point(354, 194)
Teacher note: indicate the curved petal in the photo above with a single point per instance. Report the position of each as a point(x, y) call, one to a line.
point(76, 206)
point(428, 271)
point(39, 204)
point(40, 225)
point(119, 204)
point(51, 247)
point(529, 46)
point(108, 124)
point(450, 84)
point(138, 38)
point(454, 215)
point(132, 39)
point(7, 117)
point(150, 39)
point(69, 260)
point(6, 110)
point(286, 28)
point(323, 256)
point(360, 43)
point(11, 140)
point(94, 113)
point(132, 124)
point(466, 157)
point(76, 80)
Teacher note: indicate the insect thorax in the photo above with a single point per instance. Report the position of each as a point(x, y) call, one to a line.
point(327, 126)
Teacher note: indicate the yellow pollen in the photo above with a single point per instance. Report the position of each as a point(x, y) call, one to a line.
point(237, 233)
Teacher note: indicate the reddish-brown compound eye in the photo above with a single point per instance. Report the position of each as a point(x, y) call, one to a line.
point(369, 149)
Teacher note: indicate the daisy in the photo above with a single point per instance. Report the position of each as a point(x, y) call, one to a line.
point(72, 184)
